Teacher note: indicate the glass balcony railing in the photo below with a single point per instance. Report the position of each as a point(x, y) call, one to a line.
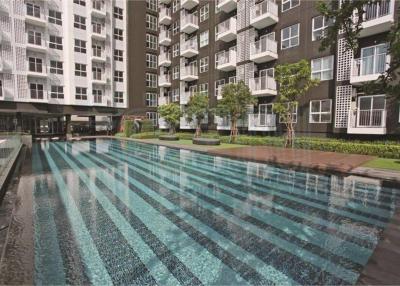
point(263, 45)
point(377, 10)
point(370, 65)
point(371, 118)
point(263, 8)
point(262, 120)
point(262, 83)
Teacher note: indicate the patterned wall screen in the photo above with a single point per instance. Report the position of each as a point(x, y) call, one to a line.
point(343, 103)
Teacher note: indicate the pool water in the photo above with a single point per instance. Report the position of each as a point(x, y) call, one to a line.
point(120, 212)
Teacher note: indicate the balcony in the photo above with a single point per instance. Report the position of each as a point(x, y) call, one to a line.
point(263, 86)
point(36, 45)
point(218, 91)
point(224, 123)
point(378, 18)
point(165, 17)
point(184, 124)
point(368, 68)
point(226, 31)
point(35, 18)
point(189, 23)
point(372, 121)
point(98, 56)
point(227, 5)
point(99, 32)
point(184, 96)
point(189, 48)
point(163, 100)
point(5, 66)
point(164, 80)
point(37, 72)
point(189, 72)
point(189, 4)
point(5, 7)
point(99, 79)
point(226, 60)
point(264, 14)
point(262, 122)
point(166, 2)
point(164, 37)
point(263, 50)
point(164, 59)
point(98, 9)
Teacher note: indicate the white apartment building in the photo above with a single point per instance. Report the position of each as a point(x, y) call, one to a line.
point(70, 55)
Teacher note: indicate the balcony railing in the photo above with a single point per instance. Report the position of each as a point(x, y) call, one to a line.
point(226, 30)
point(224, 123)
point(189, 71)
point(165, 37)
point(226, 58)
point(261, 85)
point(227, 5)
point(164, 80)
point(189, 23)
point(164, 58)
point(264, 14)
point(262, 46)
point(374, 118)
point(377, 10)
point(262, 120)
point(370, 65)
point(165, 13)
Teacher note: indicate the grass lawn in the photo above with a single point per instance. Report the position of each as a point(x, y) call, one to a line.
point(189, 142)
point(382, 163)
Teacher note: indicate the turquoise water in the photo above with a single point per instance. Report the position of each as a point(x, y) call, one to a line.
point(117, 212)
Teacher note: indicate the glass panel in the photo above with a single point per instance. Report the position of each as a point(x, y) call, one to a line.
point(318, 22)
point(365, 103)
point(378, 102)
point(315, 106)
point(325, 106)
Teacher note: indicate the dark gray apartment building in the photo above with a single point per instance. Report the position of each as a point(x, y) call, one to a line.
point(203, 45)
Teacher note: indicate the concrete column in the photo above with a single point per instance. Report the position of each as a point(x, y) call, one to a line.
point(92, 125)
point(18, 122)
point(68, 130)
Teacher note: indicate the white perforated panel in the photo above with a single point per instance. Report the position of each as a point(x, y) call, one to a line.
point(344, 58)
point(19, 30)
point(343, 102)
point(22, 86)
point(20, 59)
point(19, 7)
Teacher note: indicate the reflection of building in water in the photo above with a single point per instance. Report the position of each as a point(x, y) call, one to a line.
point(312, 182)
point(361, 187)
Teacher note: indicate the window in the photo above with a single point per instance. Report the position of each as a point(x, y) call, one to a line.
point(151, 61)
point(204, 64)
point(80, 2)
point(80, 70)
point(80, 46)
point(320, 111)
point(319, 25)
point(217, 10)
point(55, 17)
point(322, 68)
point(80, 93)
point(151, 5)
point(118, 13)
point(204, 39)
point(36, 90)
point(151, 99)
point(151, 22)
point(118, 97)
point(151, 41)
point(55, 42)
point(97, 95)
point(153, 116)
point(203, 88)
point(175, 50)
point(35, 38)
point(175, 28)
point(175, 72)
point(57, 92)
point(118, 55)
point(175, 5)
point(289, 4)
point(97, 27)
point(56, 67)
point(79, 22)
point(151, 80)
point(119, 76)
point(294, 115)
point(35, 64)
point(204, 12)
point(1, 88)
point(97, 73)
point(175, 95)
point(118, 34)
point(33, 10)
point(97, 50)
point(290, 36)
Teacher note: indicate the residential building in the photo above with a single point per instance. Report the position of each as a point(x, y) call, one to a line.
point(61, 59)
point(204, 45)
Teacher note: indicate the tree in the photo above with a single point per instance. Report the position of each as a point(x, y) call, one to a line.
point(236, 97)
point(171, 113)
point(294, 81)
point(343, 19)
point(197, 109)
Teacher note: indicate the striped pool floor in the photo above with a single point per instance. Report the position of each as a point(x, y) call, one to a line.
point(118, 212)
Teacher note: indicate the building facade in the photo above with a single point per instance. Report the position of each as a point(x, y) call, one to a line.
point(204, 45)
point(61, 59)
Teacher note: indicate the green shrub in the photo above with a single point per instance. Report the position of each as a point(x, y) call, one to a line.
point(128, 128)
point(146, 126)
point(145, 135)
point(119, 134)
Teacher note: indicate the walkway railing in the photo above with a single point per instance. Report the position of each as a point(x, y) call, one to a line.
point(9, 144)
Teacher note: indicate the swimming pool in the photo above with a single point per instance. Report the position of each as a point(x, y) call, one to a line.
point(111, 211)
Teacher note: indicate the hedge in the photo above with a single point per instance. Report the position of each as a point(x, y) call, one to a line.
point(389, 149)
point(128, 128)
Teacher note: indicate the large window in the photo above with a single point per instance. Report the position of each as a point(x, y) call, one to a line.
point(118, 13)
point(80, 93)
point(55, 42)
point(35, 38)
point(175, 28)
point(151, 22)
point(175, 50)
point(118, 55)
point(97, 49)
point(320, 111)
point(290, 36)
point(79, 22)
point(118, 34)
point(322, 68)
point(80, 2)
point(97, 95)
point(119, 76)
point(118, 97)
point(151, 61)
point(151, 99)
point(80, 46)
point(80, 70)
point(56, 67)
point(151, 41)
point(319, 25)
point(151, 5)
point(57, 92)
point(175, 72)
point(35, 64)
point(151, 80)
point(203, 39)
point(33, 10)
point(175, 5)
point(289, 4)
point(153, 116)
point(36, 90)
point(204, 64)
point(55, 17)
point(204, 12)
point(203, 88)
point(97, 73)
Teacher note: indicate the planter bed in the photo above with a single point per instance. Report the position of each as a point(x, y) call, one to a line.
point(206, 141)
point(168, 137)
